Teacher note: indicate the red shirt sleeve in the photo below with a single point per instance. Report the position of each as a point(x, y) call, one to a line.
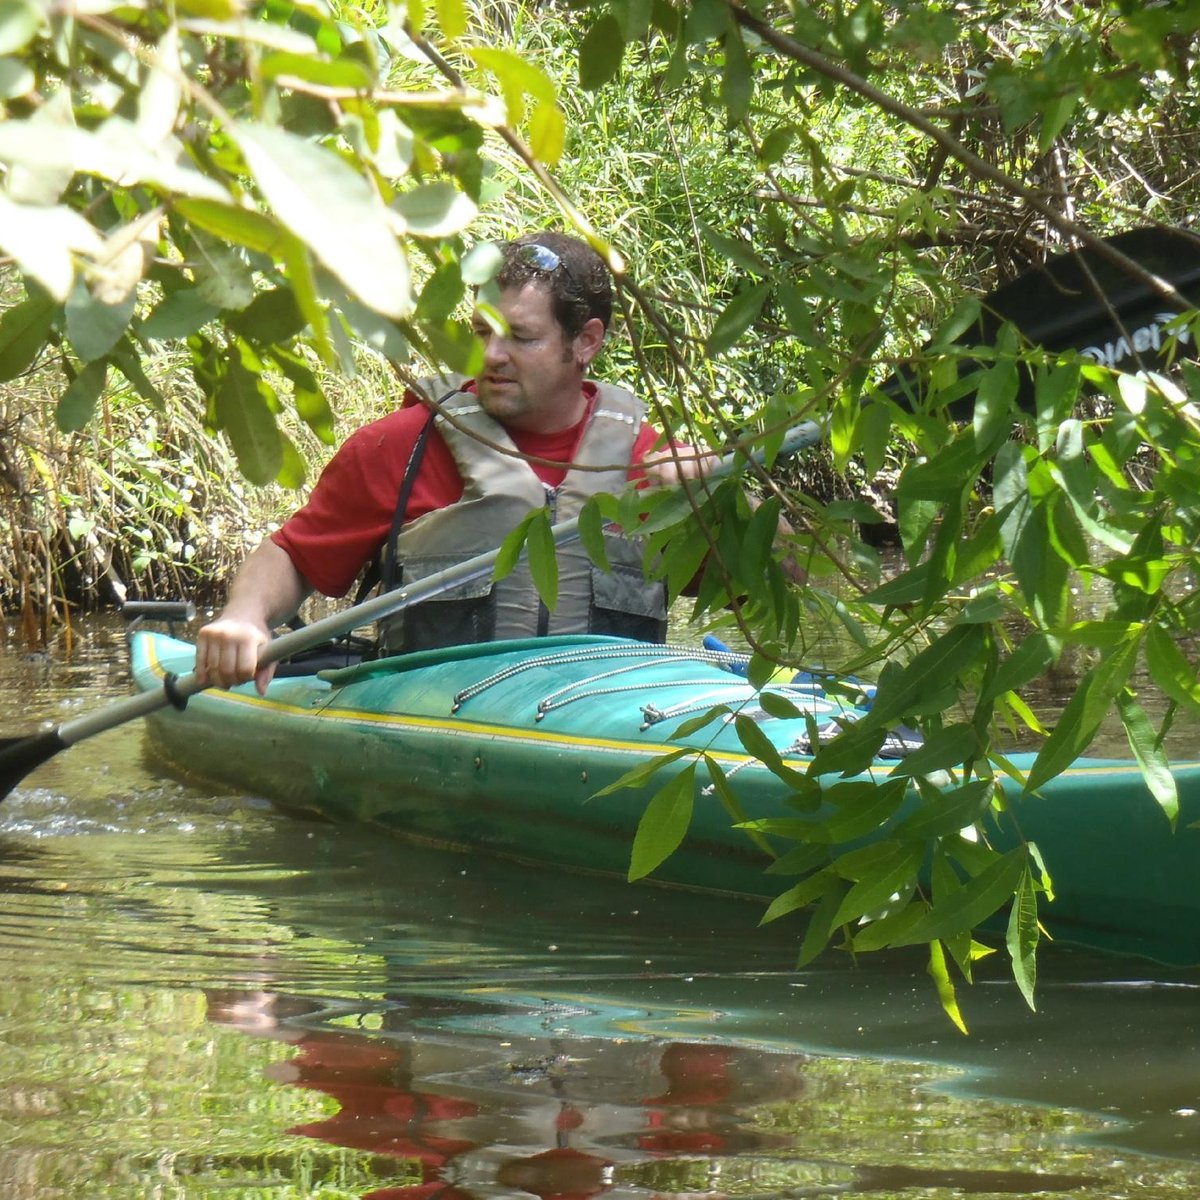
point(350, 509)
point(650, 443)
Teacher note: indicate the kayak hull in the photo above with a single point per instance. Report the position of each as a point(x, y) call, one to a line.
point(504, 748)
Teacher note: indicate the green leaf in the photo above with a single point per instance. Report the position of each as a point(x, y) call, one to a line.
point(115, 151)
point(249, 424)
point(948, 747)
point(821, 924)
point(1030, 660)
point(758, 541)
point(774, 146)
point(509, 553)
point(800, 860)
point(966, 907)
point(940, 974)
point(1055, 115)
point(1023, 937)
point(313, 409)
point(756, 743)
point(457, 347)
point(600, 53)
point(303, 280)
point(685, 729)
point(664, 824)
point(706, 19)
point(16, 79)
point(334, 211)
point(1151, 755)
point(480, 264)
point(435, 210)
point(636, 17)
point(909, 587)
point(739, 314)
point(377, 332)
point(730, 801)
point(340, 73)
point(162, 92)
point(964, 317)
point(242, 226)
point(543, 558)
point(852, 751)
point(452, 17)
point(1093, 700)
point(36, 183)
point(639, 776)
point(947, 812)
point(776, 704)
point(547, 132)
point(881, 933)
point(222, 273)
point(23, 332)
point(292, 471)
point(94, 328)
point(737, 79)
point(741, 254)
point(442, 294)
point(272, 316)
point(799, 895)
point(77, 405)
point(994, 406)
point(19, 22)
point(591, 534)
point(518, 77)
point(1166, 663)
point(929, 674)
point(865, 808)
point(178, 315)
point(892, 876)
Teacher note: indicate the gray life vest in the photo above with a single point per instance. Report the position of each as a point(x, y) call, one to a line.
point(498, 491)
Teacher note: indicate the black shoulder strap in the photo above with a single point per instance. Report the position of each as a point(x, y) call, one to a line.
point(388, 553)
point(382, 570)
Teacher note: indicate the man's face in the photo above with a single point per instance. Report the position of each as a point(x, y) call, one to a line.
point(531, 378)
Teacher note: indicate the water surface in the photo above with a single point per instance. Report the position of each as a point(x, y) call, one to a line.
point(202, 997)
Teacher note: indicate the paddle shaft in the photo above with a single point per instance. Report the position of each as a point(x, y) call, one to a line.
point(177, 690)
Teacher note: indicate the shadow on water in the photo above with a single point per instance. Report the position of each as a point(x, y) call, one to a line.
point(206, 998)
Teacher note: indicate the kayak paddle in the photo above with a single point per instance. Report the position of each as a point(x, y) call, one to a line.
point(19, 756)
point(1080, 301)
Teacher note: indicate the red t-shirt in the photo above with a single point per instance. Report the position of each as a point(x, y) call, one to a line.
point(350, 510)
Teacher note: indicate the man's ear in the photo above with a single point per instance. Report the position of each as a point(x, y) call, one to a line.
point(588, 341)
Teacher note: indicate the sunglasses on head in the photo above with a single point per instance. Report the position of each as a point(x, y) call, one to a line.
point(542, 258)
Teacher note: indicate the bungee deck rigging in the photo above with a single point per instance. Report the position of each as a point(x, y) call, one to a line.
point(737, 693)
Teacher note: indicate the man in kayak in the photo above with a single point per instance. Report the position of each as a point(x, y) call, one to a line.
point(429, 485)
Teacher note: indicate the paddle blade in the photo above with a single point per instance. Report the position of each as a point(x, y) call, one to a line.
point(1080, 300)
point(19, 756)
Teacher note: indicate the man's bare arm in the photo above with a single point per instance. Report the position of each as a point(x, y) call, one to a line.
point(267, 590)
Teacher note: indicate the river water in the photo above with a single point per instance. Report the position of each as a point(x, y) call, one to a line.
point(203, 997)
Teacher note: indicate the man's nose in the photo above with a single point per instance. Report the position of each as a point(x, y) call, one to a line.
point(495, 348)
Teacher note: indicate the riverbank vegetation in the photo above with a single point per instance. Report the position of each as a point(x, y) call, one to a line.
point(234, 231)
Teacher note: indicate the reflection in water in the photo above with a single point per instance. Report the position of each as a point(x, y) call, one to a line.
point(565, 1119)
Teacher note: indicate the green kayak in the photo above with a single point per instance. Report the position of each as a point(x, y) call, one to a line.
point(503, 747)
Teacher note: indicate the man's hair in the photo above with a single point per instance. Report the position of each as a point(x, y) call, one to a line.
point(580, 286)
